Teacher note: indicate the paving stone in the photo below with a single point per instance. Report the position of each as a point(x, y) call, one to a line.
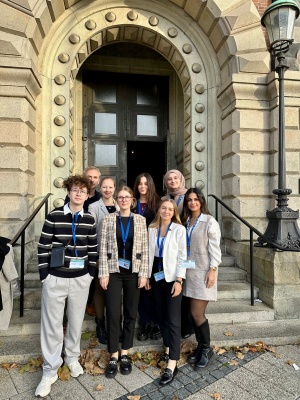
point(153, 372)
point(29, 395)
point(209, 378)
point(66, 390)
point(136, 379)
point(200, 396)
point(192, 387)
point(229, 391)
point(167, 390)
point(194, 374)
point(258, 387)
point(217, 374)
point(185, 379)
point(140, 391)
point(176, 383)
point(186, 369)
point(7, 387)
point(156, 396)
point(182, 394)
point(25, 381)
point(151, 387)
point(111, 388)
point(287, 381)
point(201, 383)
point(225, 370)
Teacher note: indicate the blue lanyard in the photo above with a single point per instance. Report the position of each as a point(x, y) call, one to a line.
point(160, 245)
point(74, 221)
point(179, 199)
point(140, 208)
point(189, 235)
point(124, 234)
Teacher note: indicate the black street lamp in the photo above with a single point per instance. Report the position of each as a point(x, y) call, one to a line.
point(279, 19)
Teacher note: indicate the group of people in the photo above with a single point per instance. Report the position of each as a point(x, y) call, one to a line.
point(145, 254)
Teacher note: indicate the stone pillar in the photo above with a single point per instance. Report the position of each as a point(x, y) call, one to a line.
point(19, 87)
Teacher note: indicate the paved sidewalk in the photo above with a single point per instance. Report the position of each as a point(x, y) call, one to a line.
point(257, 376)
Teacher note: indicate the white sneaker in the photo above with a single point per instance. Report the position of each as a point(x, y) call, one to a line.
point(75, 369)
point(44, 386)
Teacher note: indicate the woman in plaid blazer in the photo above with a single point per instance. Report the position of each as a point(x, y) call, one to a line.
point(123, 267)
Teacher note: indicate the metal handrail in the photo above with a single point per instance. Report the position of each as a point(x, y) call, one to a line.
point(21, 233)
point(252, 229)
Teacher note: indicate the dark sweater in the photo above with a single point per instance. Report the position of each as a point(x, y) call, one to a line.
point(57, 231)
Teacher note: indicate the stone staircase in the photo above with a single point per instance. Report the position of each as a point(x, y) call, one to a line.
point(233, 320)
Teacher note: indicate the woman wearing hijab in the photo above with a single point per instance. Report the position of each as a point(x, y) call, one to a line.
point(174, 182)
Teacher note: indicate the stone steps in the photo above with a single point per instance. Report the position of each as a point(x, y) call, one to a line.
point(19, 348)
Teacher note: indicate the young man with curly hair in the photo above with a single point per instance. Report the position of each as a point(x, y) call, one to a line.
point(66, 276)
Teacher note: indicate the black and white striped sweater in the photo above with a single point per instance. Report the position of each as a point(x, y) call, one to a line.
point(57, 231)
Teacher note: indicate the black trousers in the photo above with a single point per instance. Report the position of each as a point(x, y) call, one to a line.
point(168, 310)
point(128, 283)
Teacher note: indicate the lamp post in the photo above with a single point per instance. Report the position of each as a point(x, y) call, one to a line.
point(279, 19)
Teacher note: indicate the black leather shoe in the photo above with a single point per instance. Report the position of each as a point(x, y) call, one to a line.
point(125, 365)
point(112, 368)
point(155, 332)
point(168, 376)
point(163, 358)
point(144, 332)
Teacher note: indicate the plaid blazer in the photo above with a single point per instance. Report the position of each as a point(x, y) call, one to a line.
point(108, 249)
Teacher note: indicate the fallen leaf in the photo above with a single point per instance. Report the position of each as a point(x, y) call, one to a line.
point(187, 347)
point(272, 349)
point(228, 333)
point(64, 373)
point(290, 362)
point(136, 397)
point(86, 335)
point(98, 371)
point(240, 355)
point(24, 368)
point(233, 362)
point(221, 351)
point(8, 366)
point(99, 387)
point(216, 396)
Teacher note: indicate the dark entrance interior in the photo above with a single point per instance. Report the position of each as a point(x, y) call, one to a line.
point(146, 157)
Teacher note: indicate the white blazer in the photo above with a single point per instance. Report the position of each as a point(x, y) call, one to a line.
point(99, 211)
point(174, 252)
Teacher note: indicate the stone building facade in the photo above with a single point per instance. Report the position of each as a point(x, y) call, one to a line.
point(217, 121)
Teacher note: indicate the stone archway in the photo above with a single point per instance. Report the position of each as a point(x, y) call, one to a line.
point(98, 28)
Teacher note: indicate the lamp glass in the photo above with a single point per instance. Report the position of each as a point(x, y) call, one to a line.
point(279, 23)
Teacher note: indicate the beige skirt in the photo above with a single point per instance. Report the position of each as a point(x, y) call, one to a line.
point(195, 287)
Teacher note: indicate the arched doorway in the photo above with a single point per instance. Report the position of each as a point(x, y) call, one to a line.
point(126, 113)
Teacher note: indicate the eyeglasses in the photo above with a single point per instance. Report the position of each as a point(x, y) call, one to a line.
point(124, 198)
point(79, 191)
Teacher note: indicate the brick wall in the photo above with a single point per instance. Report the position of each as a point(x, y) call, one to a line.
point(261, 5)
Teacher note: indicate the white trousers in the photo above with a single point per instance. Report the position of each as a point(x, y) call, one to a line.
point(54, 294)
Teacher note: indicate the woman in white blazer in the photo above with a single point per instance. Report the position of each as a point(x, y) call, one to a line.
point(167, 252)
point(100, 209)
point(204, 254)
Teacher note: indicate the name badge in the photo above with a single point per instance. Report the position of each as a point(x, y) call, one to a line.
point(158, 276)
point(124, 263)
point(75, 263)
point(189, 264)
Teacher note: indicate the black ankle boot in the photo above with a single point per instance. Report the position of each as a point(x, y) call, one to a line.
point(204, 334)
point(101, 330)
point(196, 355)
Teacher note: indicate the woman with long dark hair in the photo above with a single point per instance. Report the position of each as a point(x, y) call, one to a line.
point(144, 192)
point(204, 255)
point(167, 252)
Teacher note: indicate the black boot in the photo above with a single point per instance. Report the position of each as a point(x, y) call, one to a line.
point(196, 355)
point(101, 330)
point(204, 333)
